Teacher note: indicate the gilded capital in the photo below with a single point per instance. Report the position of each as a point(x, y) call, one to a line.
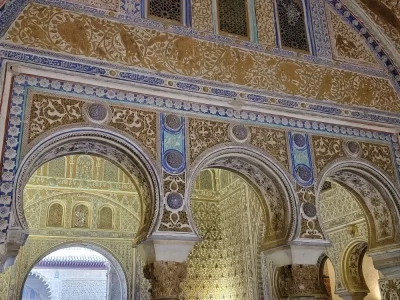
point(165, 278)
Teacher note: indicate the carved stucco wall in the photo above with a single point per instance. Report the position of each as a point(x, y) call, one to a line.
point(231, 222)
point(344, 222)
point(72, 181)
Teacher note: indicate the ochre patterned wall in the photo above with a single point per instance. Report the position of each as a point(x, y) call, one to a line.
point(54, 29)
point(226, 263)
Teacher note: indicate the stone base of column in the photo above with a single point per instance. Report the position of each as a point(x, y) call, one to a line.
point(165, 278)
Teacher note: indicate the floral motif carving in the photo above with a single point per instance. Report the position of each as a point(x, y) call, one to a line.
point(326, 149)
point(55, 29)
point(165, 278)
point(379, 155)
point(271, 141)
point(204, 134)
point(140, 124)
point(102, 4)
point(51, 111)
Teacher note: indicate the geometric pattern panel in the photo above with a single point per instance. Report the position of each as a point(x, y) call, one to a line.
point(292, 25)
point(166, 9)
point(146, 48)
point(232, 16)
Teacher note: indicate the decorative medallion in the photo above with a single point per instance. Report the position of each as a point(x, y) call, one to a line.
point(304, 173)
point(239, 133)
point(97, 112)
point(309, 209)
point(173, 122)
point(299, 140)
point(174, 200)
point(352, 148)
point(174, 159)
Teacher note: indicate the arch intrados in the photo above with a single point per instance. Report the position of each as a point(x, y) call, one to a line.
point(262, 161)
point(344, 261)
point(108, 145)
point(377, 179)
point(116, 263)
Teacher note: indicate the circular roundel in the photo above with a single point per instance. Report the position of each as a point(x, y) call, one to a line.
point(173, 122)
point(299, 140)
point(240, 132)
point(174, 200)
point(304, 173)
point(309, 210)
point(174, 159)
point(97, 112)
point(353, 148)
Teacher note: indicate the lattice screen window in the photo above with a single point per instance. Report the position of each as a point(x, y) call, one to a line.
point(293, 31)
point(233, 17)
point(166, 9)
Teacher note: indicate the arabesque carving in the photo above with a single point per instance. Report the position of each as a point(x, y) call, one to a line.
point(55, 29)
point(165, 278)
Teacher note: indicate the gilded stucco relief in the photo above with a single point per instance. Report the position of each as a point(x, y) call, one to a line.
point(226, 264)
point(347, 45)
point(51, 111)
point(51, 28)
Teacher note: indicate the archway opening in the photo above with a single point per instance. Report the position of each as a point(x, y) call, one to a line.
point(73, 273)
point(344, 219)
point(231, 219)
point(80, 200)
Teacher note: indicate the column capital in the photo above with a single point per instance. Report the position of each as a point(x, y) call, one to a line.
point(296, 253)
point(165, 250)
point(165, 278)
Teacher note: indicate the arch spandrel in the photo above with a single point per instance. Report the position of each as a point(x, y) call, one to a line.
point(271, 182)
point(104, 144)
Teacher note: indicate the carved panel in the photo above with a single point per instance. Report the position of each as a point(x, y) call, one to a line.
point(390, 289)
point(326, 150)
